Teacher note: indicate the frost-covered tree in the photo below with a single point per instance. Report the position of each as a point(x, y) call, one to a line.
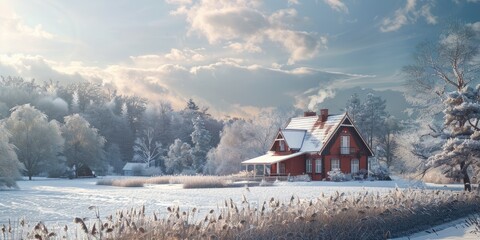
point(445, 68)
point(10, 167)
point(201, 140)
point(75, 106)
point(83, 144)
point(38, 142)
point(146, 150)
point(462, 149)
point(114, 157)
point(239, 141)
point(179, 157)
point(353, 107)
point(370, 120)
point(388, 139)
point(191, 105)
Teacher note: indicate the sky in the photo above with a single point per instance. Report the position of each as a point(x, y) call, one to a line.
point(236, 57)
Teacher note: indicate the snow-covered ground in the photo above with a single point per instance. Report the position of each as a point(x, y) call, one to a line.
point(59, 201)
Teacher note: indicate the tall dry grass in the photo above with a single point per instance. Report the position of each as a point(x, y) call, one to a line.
point(198, 181)
point(129, 182)
point(364, 215)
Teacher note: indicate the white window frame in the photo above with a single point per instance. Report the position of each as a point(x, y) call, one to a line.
point(357, 164)
point(309, 165)
point(345, 144)
point(337, 163)
point(318, 165)
point(281, 146)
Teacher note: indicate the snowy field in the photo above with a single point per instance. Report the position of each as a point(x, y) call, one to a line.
point(59, 201)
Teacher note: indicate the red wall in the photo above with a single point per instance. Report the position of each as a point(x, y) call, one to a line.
point(293, 166)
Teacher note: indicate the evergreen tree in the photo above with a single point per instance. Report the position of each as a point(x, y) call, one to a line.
point(191, 105)
point(444, 68)
point(354, 107)
point(462, 149)
point(370, 120)
point(75, 108)
point(201, 140)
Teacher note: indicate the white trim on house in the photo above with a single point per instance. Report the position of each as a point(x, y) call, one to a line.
point(269, 158)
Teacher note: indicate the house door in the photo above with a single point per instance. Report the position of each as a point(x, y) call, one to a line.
point(282, 168)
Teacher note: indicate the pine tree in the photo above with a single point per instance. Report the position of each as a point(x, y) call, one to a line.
point(191, 105)
point(75, 103)
point(201, 140)
point(462, 149)
point(370, 119)
point(354, 107)
point(445, 68)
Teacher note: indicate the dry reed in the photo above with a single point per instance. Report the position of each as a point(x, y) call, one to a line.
point(361, 215)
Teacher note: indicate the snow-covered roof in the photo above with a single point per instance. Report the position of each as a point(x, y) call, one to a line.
point(269, 158)
point(317, 132)
point(129, 166)
point(294, 137)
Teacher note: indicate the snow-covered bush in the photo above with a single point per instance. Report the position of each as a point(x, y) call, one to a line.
point(380, 173)
point(360, 175)
point(265, 183)
point(336, 175)
point(300, 178)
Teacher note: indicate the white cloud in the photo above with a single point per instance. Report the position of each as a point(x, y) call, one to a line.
point(243, 26)
point(337, 5)
point(220, 84)
point(12, 26)
point(175, 56)
point(300, 45)
point(408, 14)
point(429, 17)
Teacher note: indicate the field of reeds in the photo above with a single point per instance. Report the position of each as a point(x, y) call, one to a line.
point(360, 215)
point(198, 181)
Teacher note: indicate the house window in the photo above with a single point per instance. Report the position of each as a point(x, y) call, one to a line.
point(355, 165)
point(281, 145)
point(335, 164)
point(318, 165)
point(345, 144)
point(309, 165)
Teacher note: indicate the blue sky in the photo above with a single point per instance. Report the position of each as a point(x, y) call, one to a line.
point(235, 56)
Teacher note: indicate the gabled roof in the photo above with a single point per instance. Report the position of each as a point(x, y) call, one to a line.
point(317, 132)
point(293, 137)
point(129, 166)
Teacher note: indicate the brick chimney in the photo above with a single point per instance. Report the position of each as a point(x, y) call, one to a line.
point(309, 114)
point(324, 114)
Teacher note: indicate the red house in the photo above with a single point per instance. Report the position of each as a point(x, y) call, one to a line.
point(315, 144)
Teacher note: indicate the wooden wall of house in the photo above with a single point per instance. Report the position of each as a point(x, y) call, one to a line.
point(333, 151)
point(294, 166)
